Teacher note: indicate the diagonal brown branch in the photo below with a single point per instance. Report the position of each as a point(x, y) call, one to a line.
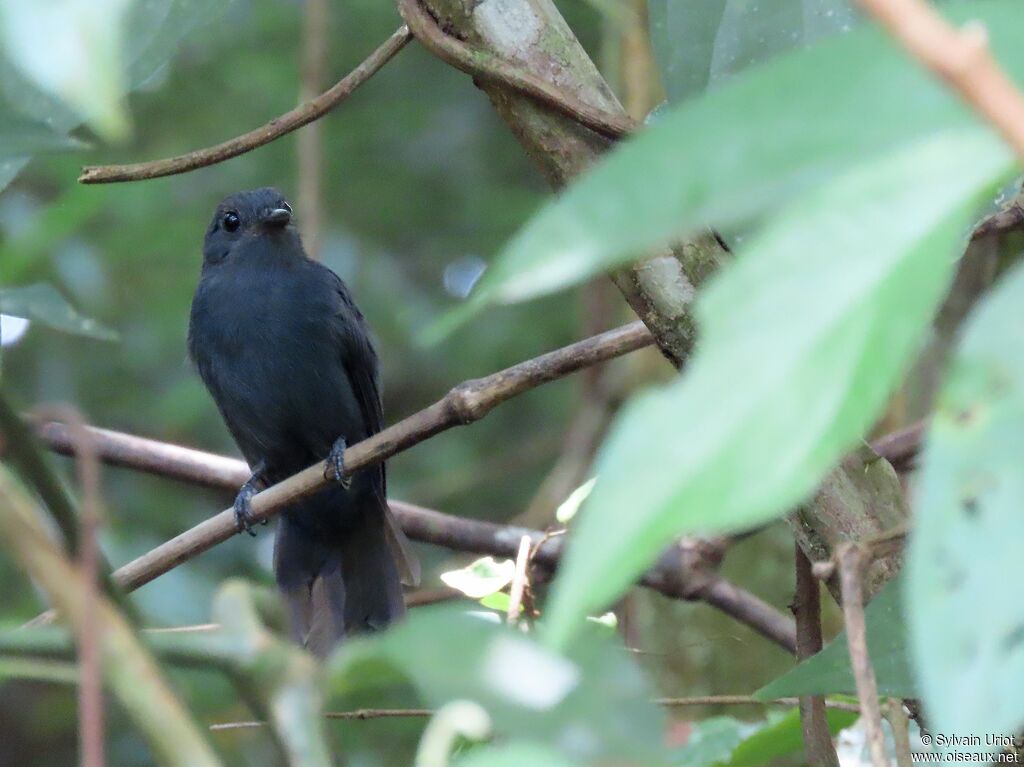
point(961, 57)
point(464, 404)
point(684, 572)
point(279, 126)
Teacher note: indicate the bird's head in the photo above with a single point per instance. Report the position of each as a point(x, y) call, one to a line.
point(250, 218)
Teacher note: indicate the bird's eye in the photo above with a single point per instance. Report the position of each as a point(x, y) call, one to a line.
point(231, 221)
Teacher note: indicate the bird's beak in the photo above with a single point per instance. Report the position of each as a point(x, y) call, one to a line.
point(278, 217)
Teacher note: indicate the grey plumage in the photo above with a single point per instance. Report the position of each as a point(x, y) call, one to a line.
point(287, 357)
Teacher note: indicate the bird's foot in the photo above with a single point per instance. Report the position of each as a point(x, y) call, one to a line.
point(244, 519)
point(335, 468)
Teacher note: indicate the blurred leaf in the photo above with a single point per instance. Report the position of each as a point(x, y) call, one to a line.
point(727, 742)
point(484, 576)
point(73, 50)
point(829, 671)
point(129, 670)
point(42, 303)
point(499, 601)
point(591, 705)
point(20, 137)
point(158, 27)
point(739, 151)
point(51, 225)
point(699, 44)
point(803, 338)
point(782, 736)
point(568, 508)
point(712, 741)
point(515, 754)
point(966, 617)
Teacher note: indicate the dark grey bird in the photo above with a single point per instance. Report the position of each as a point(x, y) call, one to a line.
point(287, 357)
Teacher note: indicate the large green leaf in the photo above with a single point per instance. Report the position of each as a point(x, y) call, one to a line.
point(829, 671)
point(803, 339)
point(592, 704)
point(42, 303)
point(965, 565)
point(764, 137)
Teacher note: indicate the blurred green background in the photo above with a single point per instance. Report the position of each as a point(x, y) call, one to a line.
point(421, 185)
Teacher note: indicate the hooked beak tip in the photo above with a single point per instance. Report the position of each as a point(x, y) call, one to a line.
point(278, 217)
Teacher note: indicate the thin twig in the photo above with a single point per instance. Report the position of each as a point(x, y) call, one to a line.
point(819, 749)
point(519, 580)
point(961, 57)
point(485, 66)
point(90, 685)
point(362, 714)
point(875, 547)
point(746, 700)
point(309, 142)
point(899, 722)
point(279, 126)
point(852, 563)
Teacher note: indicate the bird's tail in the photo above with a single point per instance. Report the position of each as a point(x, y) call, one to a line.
point(337, 583)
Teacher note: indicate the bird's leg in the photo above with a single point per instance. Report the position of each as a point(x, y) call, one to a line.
point(335, 460)
point(243, 501)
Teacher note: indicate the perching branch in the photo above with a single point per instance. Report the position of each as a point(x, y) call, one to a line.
point(279, 126)
point(679, 574)
point(961, 57)
point(464, 404)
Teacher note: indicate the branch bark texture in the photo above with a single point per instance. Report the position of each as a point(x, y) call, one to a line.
point(531, 36)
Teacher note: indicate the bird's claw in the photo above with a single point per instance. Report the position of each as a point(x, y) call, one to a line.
point(335, 461)
point(244, 519)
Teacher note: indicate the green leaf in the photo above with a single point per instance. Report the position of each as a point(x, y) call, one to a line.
point(782, 736)
point(731, 743)
point(484, 576)
point(829, 672)
point(712, 742)
point(20, 136)
point(740, 151)
point(965, 565)
point(803, 339)
point(700, 44)
point(590, 705)
point(42, 303)
point(517, 754)
point(499, 601)
point(72, 50)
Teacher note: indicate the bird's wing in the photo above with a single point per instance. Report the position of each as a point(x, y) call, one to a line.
point(361, 366)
